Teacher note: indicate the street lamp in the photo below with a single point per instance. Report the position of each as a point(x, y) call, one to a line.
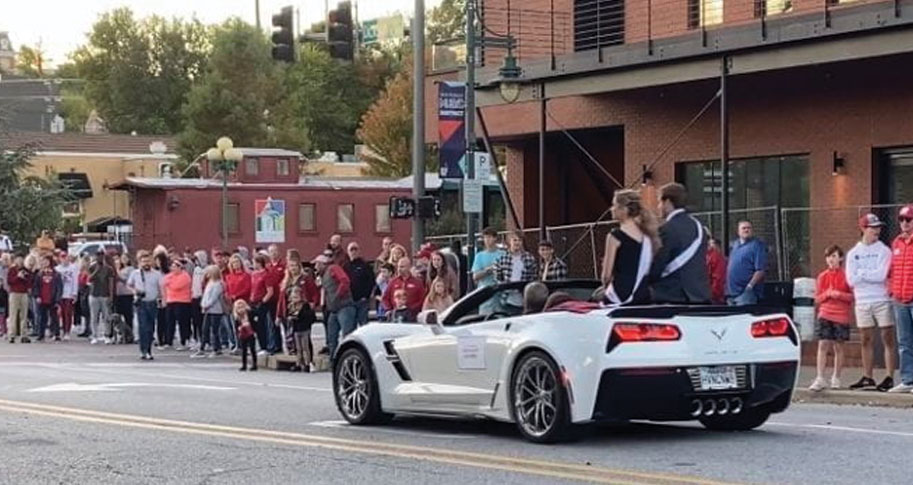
point(226, 157)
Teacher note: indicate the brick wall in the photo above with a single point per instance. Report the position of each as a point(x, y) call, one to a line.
point(852, 108)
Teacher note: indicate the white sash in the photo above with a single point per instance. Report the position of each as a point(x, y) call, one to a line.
point(643, 267)
point(683, 258)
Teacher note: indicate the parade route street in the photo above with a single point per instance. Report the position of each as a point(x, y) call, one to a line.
point(75, 413)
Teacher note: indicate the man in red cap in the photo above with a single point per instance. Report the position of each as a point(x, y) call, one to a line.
point(867, 267)
point(902, 294)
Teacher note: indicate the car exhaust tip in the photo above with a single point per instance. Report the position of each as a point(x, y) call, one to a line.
point(735, 405)
point(697, 407)
point(722, 407)
point(709, 407)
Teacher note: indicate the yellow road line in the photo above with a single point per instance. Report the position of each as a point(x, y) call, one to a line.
point(504, 463)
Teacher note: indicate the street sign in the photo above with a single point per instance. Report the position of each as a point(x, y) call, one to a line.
point(483, 166)
point(472, 196)
point(369, 32)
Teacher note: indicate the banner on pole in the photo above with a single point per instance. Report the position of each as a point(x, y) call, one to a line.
point(270, 223)
point(452, 129)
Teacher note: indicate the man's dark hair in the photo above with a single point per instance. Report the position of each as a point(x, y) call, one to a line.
point(489, 231)
point(674, 193)
point(389, 267)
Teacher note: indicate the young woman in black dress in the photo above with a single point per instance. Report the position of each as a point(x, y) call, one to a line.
point(629, 251)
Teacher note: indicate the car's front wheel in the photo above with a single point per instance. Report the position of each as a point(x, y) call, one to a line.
point(356, 390)
point(539, 400)
point(746, 420)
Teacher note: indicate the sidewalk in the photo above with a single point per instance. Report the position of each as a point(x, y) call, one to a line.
point(845, 396)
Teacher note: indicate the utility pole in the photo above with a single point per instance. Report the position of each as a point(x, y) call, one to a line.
point(470, 123)
point(724, 152)
point(257, 6)
point(418, 120)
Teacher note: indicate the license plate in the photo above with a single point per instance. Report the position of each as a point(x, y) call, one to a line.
point(718, 378)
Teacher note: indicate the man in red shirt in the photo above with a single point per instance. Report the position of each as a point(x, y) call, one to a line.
point(901, 275)
point(415, 288)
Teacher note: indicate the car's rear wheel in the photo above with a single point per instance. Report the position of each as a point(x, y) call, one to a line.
point(356, 390)
point(746, 420)
point(539, 401)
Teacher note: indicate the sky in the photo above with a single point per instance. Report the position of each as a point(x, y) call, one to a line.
point(61, 25)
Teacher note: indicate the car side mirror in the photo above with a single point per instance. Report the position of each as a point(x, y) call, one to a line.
point(428, 317)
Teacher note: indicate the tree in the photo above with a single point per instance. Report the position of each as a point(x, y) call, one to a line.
point(30, 61)
point(242, 95)
point(447, 21)
point(386, 128)
point(138, 73)
point(30, 204)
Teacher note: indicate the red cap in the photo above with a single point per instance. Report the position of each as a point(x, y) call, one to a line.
point(906, 211)
point(870, 220)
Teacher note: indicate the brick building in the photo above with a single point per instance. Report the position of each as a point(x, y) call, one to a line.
point(819, 99)
point(268, 202)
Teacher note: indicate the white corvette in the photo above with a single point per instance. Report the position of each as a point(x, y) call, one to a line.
point(727, 367)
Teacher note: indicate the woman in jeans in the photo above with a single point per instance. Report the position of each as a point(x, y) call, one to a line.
point(177, 285)
point(123, 300)
point(213, 305)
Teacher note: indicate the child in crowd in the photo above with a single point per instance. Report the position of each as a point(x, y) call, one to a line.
point(246, 339)
point(301, 317)
point(383, 280)
point(438, 298)
point(835, 304)
point(402, 313)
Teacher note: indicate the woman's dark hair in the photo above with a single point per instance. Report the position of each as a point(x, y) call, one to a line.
point(261, 260)
point(833, 249)
point(433, 272)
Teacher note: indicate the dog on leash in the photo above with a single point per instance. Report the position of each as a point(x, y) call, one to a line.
point(118, 327)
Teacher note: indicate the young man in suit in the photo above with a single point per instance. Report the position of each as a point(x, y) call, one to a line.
point(679, 272)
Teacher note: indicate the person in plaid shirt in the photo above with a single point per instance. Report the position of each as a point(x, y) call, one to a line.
point(550, 267)
point(517, 264)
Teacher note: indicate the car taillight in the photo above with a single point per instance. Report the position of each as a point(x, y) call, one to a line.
point(778, 327)
point(646, 332)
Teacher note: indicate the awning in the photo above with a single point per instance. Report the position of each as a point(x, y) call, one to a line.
point(102, 223)
point(78, 183)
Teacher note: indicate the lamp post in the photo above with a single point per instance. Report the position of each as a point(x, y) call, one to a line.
point(227, 157)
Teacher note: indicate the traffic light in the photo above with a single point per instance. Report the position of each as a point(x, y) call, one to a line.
point(340, 32)
point(284, 37)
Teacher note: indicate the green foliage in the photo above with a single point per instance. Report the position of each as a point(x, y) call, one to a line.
point(67, 70)
point(75, 108)
point(30, 62)
point(242, 95)
point(30, 204)
point(138, 72)
point(447, 21)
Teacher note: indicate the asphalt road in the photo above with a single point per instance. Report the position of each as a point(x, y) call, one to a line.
point(74, 413)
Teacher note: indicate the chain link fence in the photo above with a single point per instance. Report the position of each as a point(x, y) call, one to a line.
point(766, 225)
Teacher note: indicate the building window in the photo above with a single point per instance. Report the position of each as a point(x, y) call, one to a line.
point(704, 13)
point(382, 218)
point(758, 189)
point(252, 166)
point(765, 8)
point(598, 23)
point(234, 218)
point(282, 167)
point(345, 218)
point(306, 217)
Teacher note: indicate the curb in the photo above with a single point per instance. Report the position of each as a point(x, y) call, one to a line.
point(854, 398)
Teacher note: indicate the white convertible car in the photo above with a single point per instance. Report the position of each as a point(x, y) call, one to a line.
point(727, 367)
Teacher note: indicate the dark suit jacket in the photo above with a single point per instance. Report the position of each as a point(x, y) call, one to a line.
point(690, 283)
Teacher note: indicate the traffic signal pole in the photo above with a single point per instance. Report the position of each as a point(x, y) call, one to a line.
point(418, 120)
point(470, 125)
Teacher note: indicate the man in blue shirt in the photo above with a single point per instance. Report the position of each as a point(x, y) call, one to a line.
point(747, 266)
point(484, 267)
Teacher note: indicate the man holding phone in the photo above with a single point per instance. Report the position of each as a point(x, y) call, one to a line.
point(485, 265)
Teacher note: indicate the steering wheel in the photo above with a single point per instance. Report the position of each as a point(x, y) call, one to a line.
point(496, 315)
